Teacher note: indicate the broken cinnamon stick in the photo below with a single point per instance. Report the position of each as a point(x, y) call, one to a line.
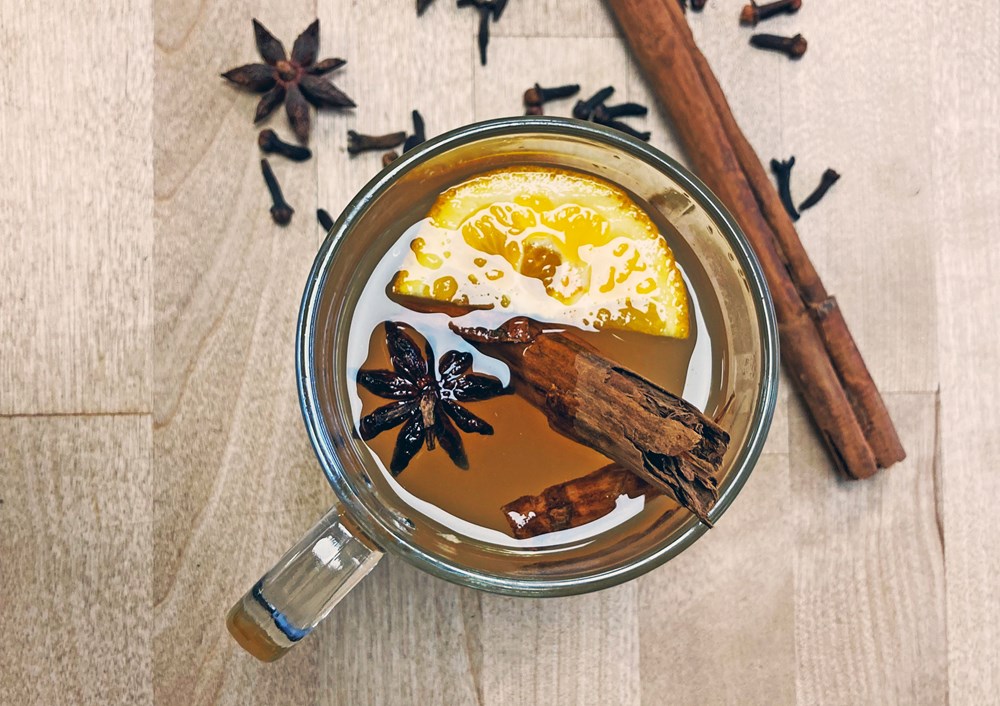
point(575, 502)
point(843, 400)
point(585, 397)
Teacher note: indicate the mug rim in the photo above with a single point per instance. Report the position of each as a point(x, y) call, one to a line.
point(383, 533)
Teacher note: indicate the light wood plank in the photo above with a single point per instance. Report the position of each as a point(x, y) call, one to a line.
point(717, 624)
point(546, 19)
point(518, 63)
point(872, 238)
point(420, 63)
point(869, 579)
point(576, 650)
point(965, 69)
point(75, 90)
point(75, 537)
point(235, 480)
point(403, 637)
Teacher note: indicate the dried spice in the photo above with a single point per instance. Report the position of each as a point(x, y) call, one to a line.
point(425, 403)
point(325, 219)
point(816, 344)
point(584, 110)
point(389, 157)
point(575, 502)
point(754, 13)
point(295, 81)
point(585, 397)
point(829, 178)
point(270, 143)
point(792, 47)
point(281, 212)
point(356, 142)
point(419, 135)
point(487, 9)
point(422, 5)
point(783, 173)
point(536, 96)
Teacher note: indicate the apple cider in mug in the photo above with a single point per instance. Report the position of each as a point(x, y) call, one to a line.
point(540, 358)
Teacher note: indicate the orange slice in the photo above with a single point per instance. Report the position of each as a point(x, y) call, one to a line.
point(559, 246)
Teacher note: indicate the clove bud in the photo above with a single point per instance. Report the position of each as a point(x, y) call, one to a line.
point(754, 13)
point(584, 110)
point(270, 143)
point(828, 179)
point(325, 219)
point(603, 113)
point(792, 47)
point(539, 96)
point(356, 142)
point(418, 135)
point(783, 173)
point(281, 212)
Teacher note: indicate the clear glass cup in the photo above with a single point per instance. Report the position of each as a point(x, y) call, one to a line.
point(370, 518)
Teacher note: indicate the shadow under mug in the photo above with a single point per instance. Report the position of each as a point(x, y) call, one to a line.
point(293, 597)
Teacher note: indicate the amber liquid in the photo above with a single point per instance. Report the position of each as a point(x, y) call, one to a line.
point(524, 455)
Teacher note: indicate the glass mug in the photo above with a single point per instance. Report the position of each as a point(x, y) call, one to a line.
point(371, 518)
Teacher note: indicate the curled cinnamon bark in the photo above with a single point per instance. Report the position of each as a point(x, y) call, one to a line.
point(574, 502)
point(585, 397)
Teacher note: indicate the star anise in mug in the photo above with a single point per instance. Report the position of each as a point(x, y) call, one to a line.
point(294, 79)
point(425, 403)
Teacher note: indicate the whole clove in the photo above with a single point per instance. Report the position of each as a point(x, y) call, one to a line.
point(584, 110)
point(325, 219)
point(534, 110)
point(356, 142)
point(270, 143)
point(422, 5)
point(754, 13)
point(487, 9)
point(624, 127)
point(418, 135)
point(603, 113)
point(483, 37)
point(828, 179)
point(538, 96)
point(389, 157)
point(792, 47)
point(281, 212)
point(783, 174)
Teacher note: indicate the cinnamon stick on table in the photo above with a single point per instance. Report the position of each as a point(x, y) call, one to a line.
point(661, 438)
point(575, 502)
point(816, 345)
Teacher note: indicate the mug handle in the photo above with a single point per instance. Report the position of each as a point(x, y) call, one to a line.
point(302, 588)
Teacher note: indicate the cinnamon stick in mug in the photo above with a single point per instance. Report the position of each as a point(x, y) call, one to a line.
point(658, 436)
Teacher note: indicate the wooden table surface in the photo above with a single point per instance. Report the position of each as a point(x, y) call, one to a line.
point(153, 458)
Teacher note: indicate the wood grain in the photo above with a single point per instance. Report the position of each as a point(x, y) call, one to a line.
point(75, 541)
point(966, 186)
point(872, 239)
point(722, 615)
point(235, 479)
point(578, 650)
point(123, 539)
point(75, 97)
point(869, 571)
point(403, 637)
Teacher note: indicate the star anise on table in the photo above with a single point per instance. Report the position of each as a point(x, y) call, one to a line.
point(425, 403)
point(294, 80)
